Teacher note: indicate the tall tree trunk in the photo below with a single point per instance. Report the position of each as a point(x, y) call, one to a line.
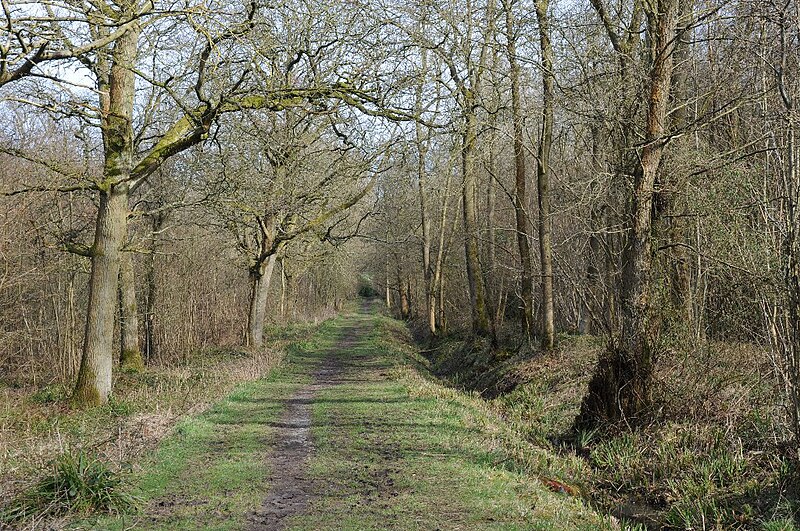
point(404, 291)
point(543, 176)
point(591, 303)
point(490, 272)
point(93, 385)
point(427, 267)
point(477, 293)
point(260, 278)
point(791, 259)
point(790, 248)
point(437, 305)
point(679, 261)
point(283, 287)
point(470, 88)
point(130, 354)
point(388, 287)
point(152, 290)
point(520, 177)
point(620, 388)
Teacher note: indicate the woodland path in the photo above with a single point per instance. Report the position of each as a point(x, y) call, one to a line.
point(348, 433)
point(291, 488)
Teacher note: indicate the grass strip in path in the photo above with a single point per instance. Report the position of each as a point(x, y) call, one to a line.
point(212, 473)
point(290, 487)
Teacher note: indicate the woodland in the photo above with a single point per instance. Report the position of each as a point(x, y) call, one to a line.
point(587, 212)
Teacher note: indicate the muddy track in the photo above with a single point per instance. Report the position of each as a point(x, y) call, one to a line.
point(290, 486)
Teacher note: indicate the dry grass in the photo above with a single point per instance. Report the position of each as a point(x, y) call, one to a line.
point(36, 425)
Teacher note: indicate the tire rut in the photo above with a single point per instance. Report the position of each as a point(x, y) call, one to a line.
point(291, 489)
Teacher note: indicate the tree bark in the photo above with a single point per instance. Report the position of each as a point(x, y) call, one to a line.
point(790, 244)
point(283, 287)
point(388, 287)
point(791, 259)
point(260, 278)
point(404, 291)
point(93, 385)
point(477, 293)
point(130, 353)
point(591, 304)
point(152, 290)
point(679, 261)
point(427, 267)
point(437, 306)
point(543, 176)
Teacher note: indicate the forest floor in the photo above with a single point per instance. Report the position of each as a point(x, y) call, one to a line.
point(352, 432)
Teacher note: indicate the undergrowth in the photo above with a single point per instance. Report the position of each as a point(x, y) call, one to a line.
point(715, 456)
point(42, 439)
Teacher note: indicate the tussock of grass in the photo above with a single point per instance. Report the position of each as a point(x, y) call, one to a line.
point(75, 484)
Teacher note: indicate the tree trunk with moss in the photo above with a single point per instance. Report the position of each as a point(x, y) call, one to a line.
point(543, 177)
point(477, 292)
point(520, 177)
point(620, 389)
point(260, 279)
point(425, 218)
point(130, 353)
point(93, 385)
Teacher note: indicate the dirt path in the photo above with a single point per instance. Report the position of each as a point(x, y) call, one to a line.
point(291, 487)
point(347, 435)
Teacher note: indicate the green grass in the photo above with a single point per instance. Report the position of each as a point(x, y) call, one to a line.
point(717, 456)
point(77, 484)
point(37, 426)
point(393, 449)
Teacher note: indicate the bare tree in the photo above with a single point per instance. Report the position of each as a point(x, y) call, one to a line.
point(620, 389)
point(543, 175)
point(520, 176)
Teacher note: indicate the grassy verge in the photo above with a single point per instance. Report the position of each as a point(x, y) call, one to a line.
point(714, 457)
point(393, 449)
point(209, 473)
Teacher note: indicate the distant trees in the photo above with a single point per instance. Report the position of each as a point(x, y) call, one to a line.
point(662, 133)
point(633, 115)
point(461, 40)
point(293, 178)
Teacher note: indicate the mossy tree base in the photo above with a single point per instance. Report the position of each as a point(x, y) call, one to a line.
point(618, 392)
point(86, 396)
point(131, 361)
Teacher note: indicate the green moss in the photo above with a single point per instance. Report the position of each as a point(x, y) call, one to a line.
point(131, 361)
point(86, 395)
